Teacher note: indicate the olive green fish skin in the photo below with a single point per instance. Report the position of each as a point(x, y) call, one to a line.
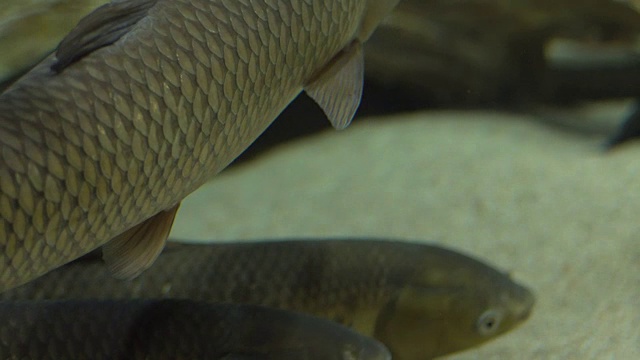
point(171, 329)
point(421, 301)
point(133, 127)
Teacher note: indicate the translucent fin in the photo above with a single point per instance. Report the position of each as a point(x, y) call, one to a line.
point(338, 87)
point(135, 250)
point(102, 27)
point(376, 11)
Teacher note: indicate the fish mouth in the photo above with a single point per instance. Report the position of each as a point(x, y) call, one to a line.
point(524, 315)
point(523, 306)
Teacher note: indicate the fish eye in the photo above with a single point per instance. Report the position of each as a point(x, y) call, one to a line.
point(489, 322)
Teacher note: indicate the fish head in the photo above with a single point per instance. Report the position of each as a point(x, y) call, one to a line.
point(452, 304)
point(366, 349)
point(335, 341)
point(271, 333)
point(342, 345)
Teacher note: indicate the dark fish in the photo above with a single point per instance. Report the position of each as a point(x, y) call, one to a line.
point(420, 300)
point(172, 329)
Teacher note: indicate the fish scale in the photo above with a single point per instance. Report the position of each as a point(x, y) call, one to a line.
point(134, 329)
point(130, 129)
point(420, 300)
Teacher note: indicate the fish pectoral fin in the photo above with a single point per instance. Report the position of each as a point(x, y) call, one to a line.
point(130, 253)
point(338, 87)
point(376, 11)
point(102, 27)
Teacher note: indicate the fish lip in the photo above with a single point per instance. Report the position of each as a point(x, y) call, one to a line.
point(525, 305)
point(524, 315)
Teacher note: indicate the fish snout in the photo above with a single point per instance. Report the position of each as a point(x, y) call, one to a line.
point(523, 306)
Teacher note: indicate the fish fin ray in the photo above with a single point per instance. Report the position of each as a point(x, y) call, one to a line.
point(102, 27)
point(338, 87)
point(375, 13)
point(130, 253)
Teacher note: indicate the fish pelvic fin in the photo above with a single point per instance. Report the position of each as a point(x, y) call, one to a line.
point(104, 26)
point(337, 88)
point(130, 253)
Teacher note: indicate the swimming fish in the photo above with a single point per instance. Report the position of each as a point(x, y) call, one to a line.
point(144, 101)
point(420, 300)
point(173, 329)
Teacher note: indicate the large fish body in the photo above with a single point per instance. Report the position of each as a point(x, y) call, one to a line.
point(173, 329)
point(143, 102)
point(420, 300)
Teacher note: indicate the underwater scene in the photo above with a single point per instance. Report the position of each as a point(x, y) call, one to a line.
point(319, 179)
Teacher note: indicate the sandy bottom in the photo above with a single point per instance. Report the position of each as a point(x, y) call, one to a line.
point(545, 204)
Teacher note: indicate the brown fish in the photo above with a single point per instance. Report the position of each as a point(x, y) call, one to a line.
point(420, 300)
point(143, 102)
point(173, 329)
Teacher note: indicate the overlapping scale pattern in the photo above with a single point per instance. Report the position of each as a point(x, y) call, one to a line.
point(135, 126)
